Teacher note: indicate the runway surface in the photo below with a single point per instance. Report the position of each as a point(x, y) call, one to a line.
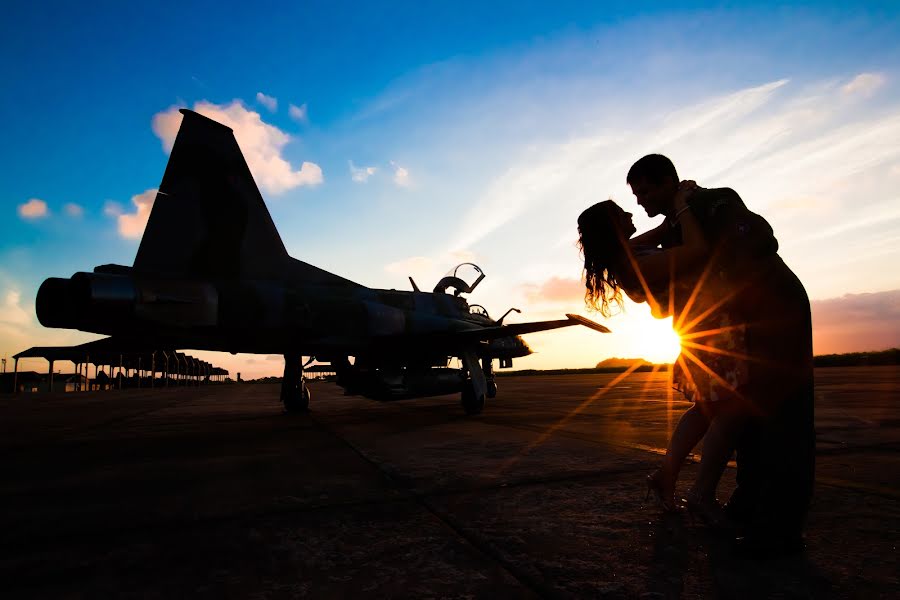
point(213, 492)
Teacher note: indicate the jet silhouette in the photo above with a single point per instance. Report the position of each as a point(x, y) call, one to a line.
point(212, 273)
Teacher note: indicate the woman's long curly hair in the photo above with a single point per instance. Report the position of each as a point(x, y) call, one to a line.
point(600, 241)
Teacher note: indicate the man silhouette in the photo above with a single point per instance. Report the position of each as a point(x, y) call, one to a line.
point(776, 450)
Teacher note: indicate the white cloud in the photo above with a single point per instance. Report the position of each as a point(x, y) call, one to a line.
point(19, 329)
point(33, 209)
point(262, 144)
point(73, 210)
point(299, 113)
point(864, 84)
point(112, 208)
point(556, 290)
point(12, 312)
point(131, 225)
point(414, 265)
point(401, 175)
point(267, 101)
point(428, 270)
point(460, 256)
point(361, 174)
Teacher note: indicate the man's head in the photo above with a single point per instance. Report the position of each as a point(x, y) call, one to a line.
point(654, 182)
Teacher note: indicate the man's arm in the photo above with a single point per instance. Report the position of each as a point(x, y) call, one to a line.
point(660, 268)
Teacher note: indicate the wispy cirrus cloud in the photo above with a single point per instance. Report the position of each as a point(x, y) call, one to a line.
point(261, 143)
point(856, 322)
point(35, 208)
point(560, 173)
point(799, 153)
point(864, 84)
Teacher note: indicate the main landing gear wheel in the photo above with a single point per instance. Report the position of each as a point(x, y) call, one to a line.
point(491, 389)
point(297, 402)
point(294, 392)
point(472, 403)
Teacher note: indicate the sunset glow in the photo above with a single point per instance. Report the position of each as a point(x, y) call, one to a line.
point(476, 135)
point(658, 341)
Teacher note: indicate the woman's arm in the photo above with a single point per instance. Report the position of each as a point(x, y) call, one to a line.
point(650, 239)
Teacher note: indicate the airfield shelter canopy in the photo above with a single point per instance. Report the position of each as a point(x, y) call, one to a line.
point(133, 362)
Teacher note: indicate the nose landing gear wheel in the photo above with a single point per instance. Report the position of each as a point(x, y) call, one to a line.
point(491, 389)
point(472, 403)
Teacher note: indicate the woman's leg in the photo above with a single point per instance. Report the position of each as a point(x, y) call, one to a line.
point(689, 431)
point(718, 446)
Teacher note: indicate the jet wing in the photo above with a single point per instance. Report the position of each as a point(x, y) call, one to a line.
point(486, 334)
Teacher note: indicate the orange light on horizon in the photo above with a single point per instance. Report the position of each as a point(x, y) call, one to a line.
point(658, 342)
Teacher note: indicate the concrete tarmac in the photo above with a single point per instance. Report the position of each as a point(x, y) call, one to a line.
point(213, 492)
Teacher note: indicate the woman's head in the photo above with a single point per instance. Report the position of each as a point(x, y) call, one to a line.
point(603, 232)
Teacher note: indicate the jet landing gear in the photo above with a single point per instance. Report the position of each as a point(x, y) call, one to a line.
point(476, 388)
point(488, 367)
point(294, 392)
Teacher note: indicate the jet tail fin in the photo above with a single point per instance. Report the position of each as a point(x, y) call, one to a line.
point(209, 218)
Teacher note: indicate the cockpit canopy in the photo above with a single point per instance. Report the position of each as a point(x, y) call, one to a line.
point(459, 278)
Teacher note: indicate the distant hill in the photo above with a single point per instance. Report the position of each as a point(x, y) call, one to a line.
point(624, 363)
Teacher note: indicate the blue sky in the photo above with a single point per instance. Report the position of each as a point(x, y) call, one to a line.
point(486, 130)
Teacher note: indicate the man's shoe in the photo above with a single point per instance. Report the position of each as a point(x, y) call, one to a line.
point(762, 546)
point(739, 509)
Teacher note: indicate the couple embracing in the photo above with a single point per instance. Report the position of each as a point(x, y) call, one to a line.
point(746, 355)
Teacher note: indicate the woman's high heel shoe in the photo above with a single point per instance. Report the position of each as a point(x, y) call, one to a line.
point(663, 493)
point(707, 510)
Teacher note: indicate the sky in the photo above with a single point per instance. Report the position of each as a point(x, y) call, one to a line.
point(399, 139)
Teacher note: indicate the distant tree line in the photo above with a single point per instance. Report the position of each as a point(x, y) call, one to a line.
point(619, 365)
point(859, 359)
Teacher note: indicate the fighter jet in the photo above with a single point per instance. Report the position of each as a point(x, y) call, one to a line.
point(211, 273)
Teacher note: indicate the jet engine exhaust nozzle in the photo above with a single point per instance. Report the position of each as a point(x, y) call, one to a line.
point(86, 297)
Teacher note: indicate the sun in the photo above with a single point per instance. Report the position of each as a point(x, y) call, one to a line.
point(658, 342)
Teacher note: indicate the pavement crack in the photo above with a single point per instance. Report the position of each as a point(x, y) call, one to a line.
point(484, 547)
